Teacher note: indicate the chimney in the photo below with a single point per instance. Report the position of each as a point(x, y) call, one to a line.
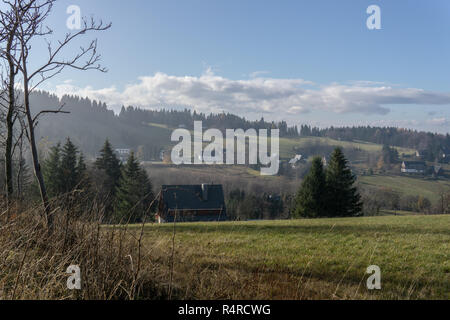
point(205, 192)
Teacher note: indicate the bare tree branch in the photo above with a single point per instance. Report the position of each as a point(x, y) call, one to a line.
point(22, 23)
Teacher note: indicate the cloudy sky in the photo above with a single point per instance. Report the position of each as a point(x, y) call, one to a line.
point(310, 62)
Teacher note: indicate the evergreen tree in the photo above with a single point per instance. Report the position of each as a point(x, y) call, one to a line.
point(389, 155)
point(343, 199)
point(52, 171)
point(64, 171)
point(69, 169)
point(311, 195)
point(134, 193)
point(81, 167)
point(23, 177)
point(84, 182)
point(109, 163)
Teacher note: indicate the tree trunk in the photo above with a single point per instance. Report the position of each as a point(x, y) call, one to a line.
point(10, 120)
point(20, 170)
point(9, 138)
point(35, 156)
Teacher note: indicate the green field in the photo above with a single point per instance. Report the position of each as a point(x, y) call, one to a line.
point(287, 145)
point(411, 186)
point(305, 259)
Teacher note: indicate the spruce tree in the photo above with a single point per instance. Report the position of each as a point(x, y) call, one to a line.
point(109, 163)
point(134, 193)
point(65, 172)
point(81, 168)
point(69, 167)
point(52, 171)
point(84, 182)
point(311, 195)
point(343, 199)
point(389, 155)
point(23, 177)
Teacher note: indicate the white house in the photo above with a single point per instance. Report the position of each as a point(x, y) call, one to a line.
point(123, 154)
point(296, 160)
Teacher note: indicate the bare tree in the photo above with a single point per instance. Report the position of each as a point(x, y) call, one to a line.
point(31, 16)
point(9, 52)
point(21, 163)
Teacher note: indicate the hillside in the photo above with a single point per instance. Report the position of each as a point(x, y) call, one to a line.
point(147, 132)
point(410, 186)
point(288, 145)
point(90, 123)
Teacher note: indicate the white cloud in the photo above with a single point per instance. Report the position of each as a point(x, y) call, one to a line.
point(257, 74)
point(212, 93)
point(439, 122)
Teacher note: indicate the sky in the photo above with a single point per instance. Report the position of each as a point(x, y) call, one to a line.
point(313, 62)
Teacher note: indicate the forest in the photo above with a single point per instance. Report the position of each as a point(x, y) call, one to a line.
point(91, 122)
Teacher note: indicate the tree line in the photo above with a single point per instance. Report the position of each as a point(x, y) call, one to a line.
point(186, 117)
point(123, 191)
point(432, 143)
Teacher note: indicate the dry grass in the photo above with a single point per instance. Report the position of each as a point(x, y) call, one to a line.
point(33, 264)
point(305, 259)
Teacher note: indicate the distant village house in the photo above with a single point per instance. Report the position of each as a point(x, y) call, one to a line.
point(325, 160)
point(421, 154)
point(191, 203)
point(123, 154)
point(419, 167)
point(296, 160)
point(445, 155)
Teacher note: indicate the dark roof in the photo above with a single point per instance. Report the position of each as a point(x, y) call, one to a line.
point(415, 164)
point(191, 197)
point(445, 150)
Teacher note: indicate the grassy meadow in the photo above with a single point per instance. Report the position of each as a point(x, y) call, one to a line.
point(304, 259)
point(410, 186)
point(287, 145)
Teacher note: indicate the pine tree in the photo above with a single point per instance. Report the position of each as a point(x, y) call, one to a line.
point(23, 177)
point(64, 171)
point(109, 163)
point(84, 182)
point(69, 167)
point(52, 171)
point(81, 167)
point(134, 193)
point(311, 195)
point(389, 155)
point(343, 199)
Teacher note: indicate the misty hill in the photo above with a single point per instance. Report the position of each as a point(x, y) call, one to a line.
point(90, 123)
point(148, 131)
